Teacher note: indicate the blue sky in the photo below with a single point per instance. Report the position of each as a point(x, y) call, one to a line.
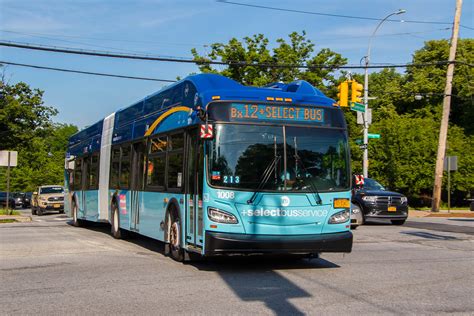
point(172, 28)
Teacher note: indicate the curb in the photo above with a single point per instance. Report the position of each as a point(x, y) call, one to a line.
point(16, 218)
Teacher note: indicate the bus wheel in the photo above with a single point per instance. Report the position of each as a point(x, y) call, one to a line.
point(174, 237)
point(115, 227)
point(75, 221)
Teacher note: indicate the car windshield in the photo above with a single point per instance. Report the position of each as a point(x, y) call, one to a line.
point(371, 184)
point(316, 158)
point(49, 190)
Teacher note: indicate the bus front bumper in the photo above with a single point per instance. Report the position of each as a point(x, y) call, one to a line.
point(227, 243)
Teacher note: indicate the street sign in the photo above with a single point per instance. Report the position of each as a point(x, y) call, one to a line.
point(363, 147)
point(375, 136)
point(451, 163)
point(8, 158)
point(359, 141)
point(357, 107)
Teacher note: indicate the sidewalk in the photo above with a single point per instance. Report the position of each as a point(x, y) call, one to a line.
point(441, 213)
point(14, 218)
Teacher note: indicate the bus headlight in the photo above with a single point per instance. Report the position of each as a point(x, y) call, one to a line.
point(219, 216)
point(340, 217)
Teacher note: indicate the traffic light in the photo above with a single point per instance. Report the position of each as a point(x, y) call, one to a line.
point(356, 92)
point(343, 94)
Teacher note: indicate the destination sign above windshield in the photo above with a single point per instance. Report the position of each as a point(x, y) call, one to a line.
point(244, 111)
point(253, 112)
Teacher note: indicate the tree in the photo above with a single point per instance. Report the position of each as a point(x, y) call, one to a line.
point(429, 82)
point(26, 126)
point(254, 50)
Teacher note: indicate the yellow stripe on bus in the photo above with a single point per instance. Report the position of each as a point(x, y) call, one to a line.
point(165, 115)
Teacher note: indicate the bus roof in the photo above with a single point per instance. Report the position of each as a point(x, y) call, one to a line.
point(211, 87)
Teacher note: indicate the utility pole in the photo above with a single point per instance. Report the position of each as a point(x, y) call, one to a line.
point(443, 130)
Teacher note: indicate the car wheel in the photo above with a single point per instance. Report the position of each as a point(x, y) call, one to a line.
point(176, 252)
point(39, 211)
point(33, 211)
point(398, 221)
point(354, 227)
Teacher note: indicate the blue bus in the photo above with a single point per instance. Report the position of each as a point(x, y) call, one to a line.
point(212, 167)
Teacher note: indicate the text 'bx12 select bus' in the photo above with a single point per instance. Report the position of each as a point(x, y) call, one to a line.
point(212, 167)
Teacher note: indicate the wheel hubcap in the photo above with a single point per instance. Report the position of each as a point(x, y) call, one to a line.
point(174, 238)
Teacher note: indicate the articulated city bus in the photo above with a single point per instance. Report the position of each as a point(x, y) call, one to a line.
point(212, 167)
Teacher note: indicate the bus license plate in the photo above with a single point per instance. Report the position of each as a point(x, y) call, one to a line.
point(57, 205)
point(392, 208)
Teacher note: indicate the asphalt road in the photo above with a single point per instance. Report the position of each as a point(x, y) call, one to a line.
point(49, 267)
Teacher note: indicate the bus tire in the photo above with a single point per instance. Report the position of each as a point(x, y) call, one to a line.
point(175, 250)
point(75, 220)
point(115, 225)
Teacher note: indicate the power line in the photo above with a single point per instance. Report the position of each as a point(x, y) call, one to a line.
point(331, 14)
point(205, 61)
point(85, 72)
point(104, 39)
point(48, 36)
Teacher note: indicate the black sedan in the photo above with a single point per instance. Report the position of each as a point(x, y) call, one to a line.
point(377, 202)
point(3, 200)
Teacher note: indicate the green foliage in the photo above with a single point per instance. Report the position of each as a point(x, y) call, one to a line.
point(297, 51)
point(429, 81)
point(26, 126)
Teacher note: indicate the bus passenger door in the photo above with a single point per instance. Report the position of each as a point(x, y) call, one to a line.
point(136, 183)
point(193, 189)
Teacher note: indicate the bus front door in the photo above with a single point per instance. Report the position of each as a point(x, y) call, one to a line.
point(194, 186)
point(136, 183)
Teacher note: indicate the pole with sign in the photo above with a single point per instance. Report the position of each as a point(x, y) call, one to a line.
point(8, 159)
point(450, 164)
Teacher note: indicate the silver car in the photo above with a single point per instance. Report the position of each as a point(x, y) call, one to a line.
point(356, 216)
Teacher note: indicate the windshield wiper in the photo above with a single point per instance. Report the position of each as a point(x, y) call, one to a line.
point(266, 175)
point(314, 190)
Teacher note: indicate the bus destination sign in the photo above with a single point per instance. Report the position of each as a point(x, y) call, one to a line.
point(244, 111)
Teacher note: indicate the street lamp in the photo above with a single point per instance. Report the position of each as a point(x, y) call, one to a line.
point(365, 161)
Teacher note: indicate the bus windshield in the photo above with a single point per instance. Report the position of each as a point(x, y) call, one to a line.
point(314, 158)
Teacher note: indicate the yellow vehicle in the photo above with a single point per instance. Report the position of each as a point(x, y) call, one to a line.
point(47, 198)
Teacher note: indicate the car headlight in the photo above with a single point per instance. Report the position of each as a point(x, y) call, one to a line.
point(369, 198)
point(404, 199)
point(219, 216)
point(340, 217)
point(355, 210)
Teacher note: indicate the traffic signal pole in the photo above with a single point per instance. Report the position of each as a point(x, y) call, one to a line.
point(443, 130)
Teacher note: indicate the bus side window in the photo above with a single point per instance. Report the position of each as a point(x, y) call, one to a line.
point(94, 172)
point(77, 178)
point(125, 168)
point(175, 161)
point(189, 92)
point(115, 168)
point(155, 167)
point(177, 95)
